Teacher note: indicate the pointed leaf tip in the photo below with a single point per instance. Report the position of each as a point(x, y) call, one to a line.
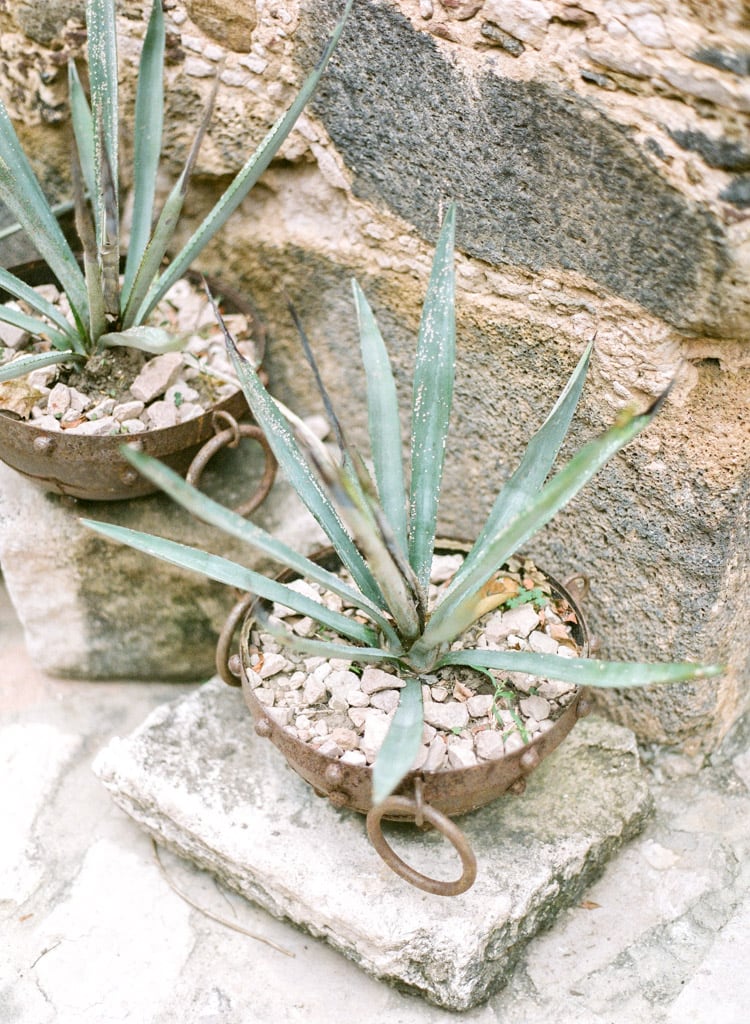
point(659, 401)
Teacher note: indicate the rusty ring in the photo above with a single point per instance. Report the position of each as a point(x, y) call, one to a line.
point(230, 437)
point(579, 584)
point(418, 803)
point(220, 416)
point(402, 805)
point(226, 636)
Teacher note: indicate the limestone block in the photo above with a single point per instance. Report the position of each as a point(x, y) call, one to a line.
point(190, 775)
point(96, 610)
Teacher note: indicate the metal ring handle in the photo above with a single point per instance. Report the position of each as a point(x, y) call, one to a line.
point(224, 643)
point(402, 805)
point(230, 437)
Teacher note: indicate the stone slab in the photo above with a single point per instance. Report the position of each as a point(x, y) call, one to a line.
point(199, 780)
point(94, 609)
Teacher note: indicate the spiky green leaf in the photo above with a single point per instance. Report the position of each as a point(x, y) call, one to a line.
point(225, 571)
point(102, 53)
point(135, 311)
point(582, 671)
point(433, 393)
point(20, 290)
point(244, 180)
point(86, 229)
point(402, 742)
point(57, 208)
point(321, 648)
point(457, 610)
point(396, 585)
point(34, 326)
point(109, 249)
point(22, 194)
point(149, 116)
point(83, 131)
point(534, 467)
point(383, 419)
point(148, 339)
point(25, 364)
point(283, 445)
point(210, 511)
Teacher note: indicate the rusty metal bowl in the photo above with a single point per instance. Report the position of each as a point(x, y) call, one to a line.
point(423, 796)
point(93, 468)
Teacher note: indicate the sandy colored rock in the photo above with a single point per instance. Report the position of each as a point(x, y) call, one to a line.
point(156, 376)
point(446, 716)
point(230, 24)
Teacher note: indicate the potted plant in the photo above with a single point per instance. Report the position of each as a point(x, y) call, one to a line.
point(94, 334)
point(384, 622)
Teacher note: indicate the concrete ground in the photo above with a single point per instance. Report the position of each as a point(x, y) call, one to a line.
point(94, 931)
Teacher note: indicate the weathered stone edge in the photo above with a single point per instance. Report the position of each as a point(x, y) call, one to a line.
point(508, 943)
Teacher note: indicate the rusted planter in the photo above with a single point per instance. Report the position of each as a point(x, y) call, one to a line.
point(93, 468)
point(427, 798)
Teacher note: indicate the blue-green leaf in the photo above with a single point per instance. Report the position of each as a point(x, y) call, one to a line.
point(402, 742)
point(582, 671)
point(390, 569)
point(35, 327)
point(284, 446)
point(22, 194)
point(210, 511)
point(457, 610)
point(135, 311)
point(18, 288)
point(148, 339)
point(433, 393)
point(321, 648)
point(383, 417)
point(149, 115)
point(224, 571)
point(243, 182)
point(25, 364)
point(102, 52)
point(534, 467)
point(83, 130)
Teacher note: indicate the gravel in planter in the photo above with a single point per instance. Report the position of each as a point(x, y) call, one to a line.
point(344, 711)
point(124, 391)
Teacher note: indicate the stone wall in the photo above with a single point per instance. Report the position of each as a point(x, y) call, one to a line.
point(599, 155)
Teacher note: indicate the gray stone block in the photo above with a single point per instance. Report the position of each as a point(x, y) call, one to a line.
point(199, 780)
point(93, 609)
point(542, 177)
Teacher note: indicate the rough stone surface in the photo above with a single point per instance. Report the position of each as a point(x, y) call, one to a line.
point(482, 153)
point(657, 939)
point(592, 131)
point(190, 777)
point(123, 614)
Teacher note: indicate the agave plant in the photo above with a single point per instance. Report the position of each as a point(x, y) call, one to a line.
point(106, 312)
point(385, 535)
